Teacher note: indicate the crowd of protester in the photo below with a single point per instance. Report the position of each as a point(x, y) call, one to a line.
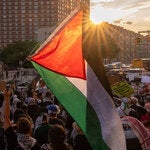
point(134, 112)
point(35, 120)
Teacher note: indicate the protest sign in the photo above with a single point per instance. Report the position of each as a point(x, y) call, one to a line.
point(122, 89)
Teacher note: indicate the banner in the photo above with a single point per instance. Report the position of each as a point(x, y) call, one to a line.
point(122, 89)
point(137, 63)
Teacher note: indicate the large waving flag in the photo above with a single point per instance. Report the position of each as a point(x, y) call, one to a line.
point(71, 73)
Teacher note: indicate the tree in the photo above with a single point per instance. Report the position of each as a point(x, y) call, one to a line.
point(18, 52)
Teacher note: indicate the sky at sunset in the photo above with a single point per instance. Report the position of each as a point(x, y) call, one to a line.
point(133, 15)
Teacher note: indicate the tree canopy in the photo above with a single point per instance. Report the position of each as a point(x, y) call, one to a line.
point(14, 55)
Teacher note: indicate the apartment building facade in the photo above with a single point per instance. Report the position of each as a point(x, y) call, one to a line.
point(131, 44)
point(36, 19)
point(21, 19)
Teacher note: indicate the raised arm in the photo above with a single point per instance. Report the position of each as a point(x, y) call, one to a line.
point(7, 122)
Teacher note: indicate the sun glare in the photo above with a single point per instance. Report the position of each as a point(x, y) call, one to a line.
point(99, 14)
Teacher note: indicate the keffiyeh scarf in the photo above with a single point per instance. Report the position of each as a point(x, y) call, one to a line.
point(25, 141)
point(142, 133)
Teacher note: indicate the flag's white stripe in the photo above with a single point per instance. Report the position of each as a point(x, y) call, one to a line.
point(104, 107)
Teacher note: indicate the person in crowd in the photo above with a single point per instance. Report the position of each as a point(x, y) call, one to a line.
point(136, 134)
point(69, 127)
point(48, 99)
point(57, 137)
point(124, 108)
point(141, 113)
point(17, 114)
point(33, 109)
point(21, 138)
point(14, 103)
point(41, 87)
point(53, 111)
point(145, 89)
point(29, 97)
point(147, 103)
point(79, 140)
point(24, 107)
point(41, 131)
point(39, 119)
point(2, 139)
point(39, 98)
point(19, 105)
point(1, 106)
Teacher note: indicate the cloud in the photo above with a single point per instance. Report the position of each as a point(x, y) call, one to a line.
point(129, 22)
point(127, 5)
point(121, 21)
point(99, 2)
point(147, 19)
point(140, 4)
point(134, 14)
point(92, 4)
point(118, 21)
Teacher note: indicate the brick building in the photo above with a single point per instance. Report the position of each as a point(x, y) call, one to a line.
point(21, 19)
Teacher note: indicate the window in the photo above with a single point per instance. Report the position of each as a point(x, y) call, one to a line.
point(23, 11)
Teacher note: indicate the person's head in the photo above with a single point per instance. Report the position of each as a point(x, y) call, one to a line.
point(147, 97)
point(24, 107)
point(40, 95)
point(53, 110)
point(24, 125)
point(17, 114)
point(133, 100)
point(31, 101)
point(44, 117)
point(18, 104)
point(77, 128)
point(57, 134)
point(48, 94)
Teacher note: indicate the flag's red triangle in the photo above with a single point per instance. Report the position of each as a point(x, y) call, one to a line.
point(63, 53)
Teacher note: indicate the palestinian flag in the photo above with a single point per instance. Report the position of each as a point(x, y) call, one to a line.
point(72, 73)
